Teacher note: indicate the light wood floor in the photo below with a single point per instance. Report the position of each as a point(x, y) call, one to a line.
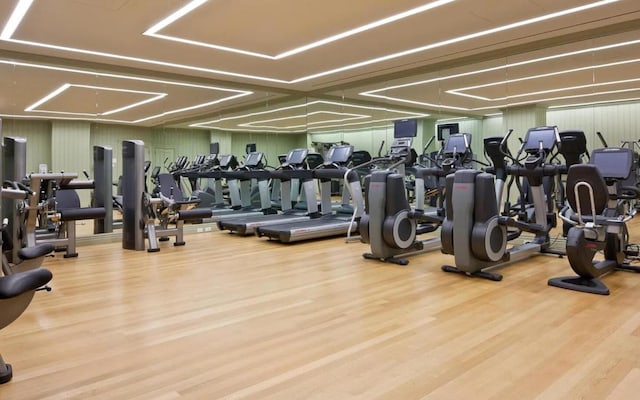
point(231, 317)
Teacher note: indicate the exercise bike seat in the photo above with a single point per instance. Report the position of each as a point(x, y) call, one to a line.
point(20, 282)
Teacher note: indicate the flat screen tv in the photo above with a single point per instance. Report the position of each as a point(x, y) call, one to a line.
point(445, 130)
point(405, 128)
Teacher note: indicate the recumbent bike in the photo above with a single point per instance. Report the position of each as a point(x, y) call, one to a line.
point(598, 211)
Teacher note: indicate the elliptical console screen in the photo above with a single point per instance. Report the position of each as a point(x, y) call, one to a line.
point(297, 156)
point(612, 162)
point(340, 154)
point(456, 143)
point(546, 136)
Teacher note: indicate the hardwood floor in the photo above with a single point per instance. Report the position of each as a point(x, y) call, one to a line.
point(231, 317)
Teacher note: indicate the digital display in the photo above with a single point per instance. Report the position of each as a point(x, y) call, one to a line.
point(340, 154)
point(225, 159)
point(444, 130)
point(405, 128)
point(297, 156)
point(612, 162)
point(545, 137)
point(457, 143)
point(253, 159)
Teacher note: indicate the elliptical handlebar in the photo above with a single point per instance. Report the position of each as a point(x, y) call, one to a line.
point(504, 145)
point(604, 142)
point(380, 149)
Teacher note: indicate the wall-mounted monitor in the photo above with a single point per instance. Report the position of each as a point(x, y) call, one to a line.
point(250, 148)
point(405, 128)
point(214, 148)
point(445, 130)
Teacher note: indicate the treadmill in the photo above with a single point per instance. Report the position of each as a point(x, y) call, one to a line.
point(331, 222)
point(292, 168)
point(215, 172)
point(251, 171)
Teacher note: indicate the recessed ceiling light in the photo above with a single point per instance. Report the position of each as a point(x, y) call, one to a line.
point(233, 93)
point(19, 17)
point(14, 20)
point(211, 124)
point(153, 31)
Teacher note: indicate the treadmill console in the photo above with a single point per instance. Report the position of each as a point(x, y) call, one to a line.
point(228, 161)
point(296, 158)
point(339, 154)
point(254, 160)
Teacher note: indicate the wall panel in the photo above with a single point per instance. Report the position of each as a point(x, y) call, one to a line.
point(38, 135)
point(616, 122)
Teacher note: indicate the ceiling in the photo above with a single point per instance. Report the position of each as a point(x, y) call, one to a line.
point(302, 65)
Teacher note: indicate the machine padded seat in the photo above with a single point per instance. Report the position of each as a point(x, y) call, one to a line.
point(33, 252)
point(20, 282)
point(74, 214)
point(68, 204)
point(194, 214)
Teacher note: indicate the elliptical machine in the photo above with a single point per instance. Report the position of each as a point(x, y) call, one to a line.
point(389, 225)
point(598, 211)
point(474, 231)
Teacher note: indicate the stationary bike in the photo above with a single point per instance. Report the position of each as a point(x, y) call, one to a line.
point(598, 211)
point(473, 229)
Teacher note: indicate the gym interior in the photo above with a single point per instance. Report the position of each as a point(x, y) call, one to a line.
point(494, 140)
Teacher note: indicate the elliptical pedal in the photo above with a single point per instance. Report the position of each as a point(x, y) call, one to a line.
point(478, 274)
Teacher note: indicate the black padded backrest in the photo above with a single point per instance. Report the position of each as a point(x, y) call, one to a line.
point(7, 241)
point(589, 174)
point(169, 187)
point(67, 198)
point(573, 146)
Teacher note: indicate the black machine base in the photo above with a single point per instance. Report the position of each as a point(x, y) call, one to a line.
point(70, 255)
point(394, 260)
point(577, 283)
point(6, 374)
point(479, 274)
point(179, 243)
point(153, 250)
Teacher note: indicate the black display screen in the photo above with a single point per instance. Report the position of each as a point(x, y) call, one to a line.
point(613, 162)
point(339, 154)
point(253, 159)
point(405, 128)
point(445, 130)
point(457, 143)
point(537, 136)
point(225, 159)
point(297, 156)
